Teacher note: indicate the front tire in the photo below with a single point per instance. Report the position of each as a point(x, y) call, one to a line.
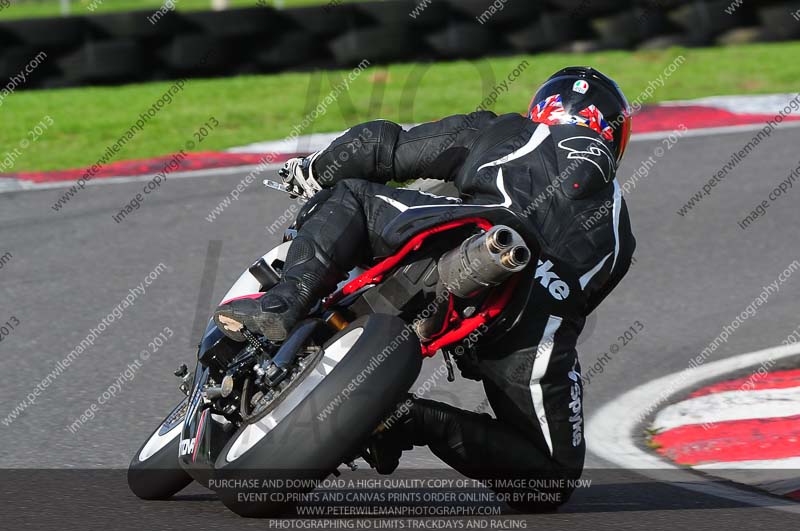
point(154, 472)
point(305, 438)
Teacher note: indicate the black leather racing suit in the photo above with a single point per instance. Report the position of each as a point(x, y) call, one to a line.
point(561, 180)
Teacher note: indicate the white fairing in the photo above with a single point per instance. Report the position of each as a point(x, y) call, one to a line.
point(247, 283)
point(252, 434)
point(157, 442)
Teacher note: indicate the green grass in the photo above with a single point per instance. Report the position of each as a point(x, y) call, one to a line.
point(256, 108)
point(51, 8)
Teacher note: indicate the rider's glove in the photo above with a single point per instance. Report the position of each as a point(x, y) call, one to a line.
point(299, 178)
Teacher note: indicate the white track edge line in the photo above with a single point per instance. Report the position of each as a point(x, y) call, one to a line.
point(611, 432)
point(25, 186)
point(730, 406)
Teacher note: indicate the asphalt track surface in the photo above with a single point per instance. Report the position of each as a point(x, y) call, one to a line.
point(693, 275)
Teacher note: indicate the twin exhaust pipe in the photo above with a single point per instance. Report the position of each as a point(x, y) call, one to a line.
point(483, 261)
point(505, 242)
point(480, 262)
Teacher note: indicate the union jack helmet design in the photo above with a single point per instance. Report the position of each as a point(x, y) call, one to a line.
point(551, 112)
point(585, 97)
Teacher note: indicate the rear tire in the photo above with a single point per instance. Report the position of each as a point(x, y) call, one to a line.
point(154, 472)
point(303, 447)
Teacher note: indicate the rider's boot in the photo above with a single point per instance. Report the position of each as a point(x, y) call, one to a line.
point(308, 275)
point(418, 422)
point(392, 437)
point(462, 439)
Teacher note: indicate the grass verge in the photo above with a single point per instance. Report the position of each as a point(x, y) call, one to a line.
point(255, 108)
point(52, 8)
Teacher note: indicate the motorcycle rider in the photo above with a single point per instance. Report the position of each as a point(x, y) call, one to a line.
point(555, 169)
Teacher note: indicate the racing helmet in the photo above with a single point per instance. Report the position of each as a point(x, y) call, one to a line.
point(583, 96)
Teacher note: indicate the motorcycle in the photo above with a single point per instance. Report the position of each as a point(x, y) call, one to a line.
point(290, 414)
